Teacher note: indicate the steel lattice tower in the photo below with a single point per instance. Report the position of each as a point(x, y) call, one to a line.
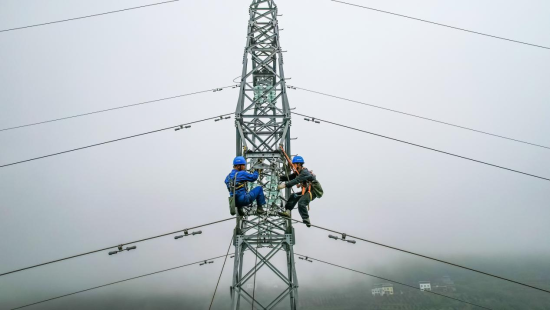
point(262, 119)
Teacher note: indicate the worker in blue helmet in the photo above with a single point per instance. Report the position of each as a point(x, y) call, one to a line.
point(239, 197)
point(311, 189)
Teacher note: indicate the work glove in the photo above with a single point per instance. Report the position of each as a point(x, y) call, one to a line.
point(281, 186)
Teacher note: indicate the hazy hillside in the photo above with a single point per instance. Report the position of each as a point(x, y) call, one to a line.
point(471, 287)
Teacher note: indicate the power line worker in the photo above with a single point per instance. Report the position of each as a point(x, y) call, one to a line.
point(311, 189)
point(236, 185)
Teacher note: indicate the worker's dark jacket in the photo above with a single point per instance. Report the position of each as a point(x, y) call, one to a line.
point(304, 178)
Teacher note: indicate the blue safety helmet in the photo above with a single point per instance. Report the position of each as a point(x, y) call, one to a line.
point(239, 160)
point(298, 160)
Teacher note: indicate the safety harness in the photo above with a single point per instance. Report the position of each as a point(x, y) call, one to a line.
point(296, 171)
point(235, 183)
point(234, 187)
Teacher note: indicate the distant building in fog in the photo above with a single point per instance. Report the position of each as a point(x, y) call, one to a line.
point(382, 289)
point(446, 285)
point(425, 285)
point(441, 287)
point(447, 280)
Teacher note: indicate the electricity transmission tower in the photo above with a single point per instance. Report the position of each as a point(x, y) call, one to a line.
point(262, 119)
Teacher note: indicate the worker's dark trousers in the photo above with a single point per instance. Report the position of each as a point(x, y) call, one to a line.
point(303, 202)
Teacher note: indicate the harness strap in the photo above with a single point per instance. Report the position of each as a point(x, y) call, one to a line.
point(308, 188)
point(235, 183)
point(289, 161)
point(234, 187)
point(309, 192)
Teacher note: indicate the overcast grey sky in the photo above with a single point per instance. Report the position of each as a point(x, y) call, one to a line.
point(375, 188)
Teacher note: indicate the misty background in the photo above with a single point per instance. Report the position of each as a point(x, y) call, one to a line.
point(392, 193)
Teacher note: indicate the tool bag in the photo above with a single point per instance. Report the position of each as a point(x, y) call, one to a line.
point(232, 202)
point(316, 189)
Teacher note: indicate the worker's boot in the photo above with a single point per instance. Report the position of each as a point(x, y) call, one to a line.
point(307, 222)
point(260, 210)
point(285, 214)
point(241, 211)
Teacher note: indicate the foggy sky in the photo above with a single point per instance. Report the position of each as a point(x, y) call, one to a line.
point(374, 188)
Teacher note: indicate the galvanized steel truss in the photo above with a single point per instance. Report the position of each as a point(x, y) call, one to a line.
point(263, 119)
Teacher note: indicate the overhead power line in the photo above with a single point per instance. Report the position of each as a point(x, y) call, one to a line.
point(228, 254)
point(427, 257)
point(114, 246)
point(117, 108)
point(443, 25)
point(117, 282)
point(116, 140)
point(417, 116)
point(221, 272)
point(424, 147)
point(393, 281)
point(88, 16)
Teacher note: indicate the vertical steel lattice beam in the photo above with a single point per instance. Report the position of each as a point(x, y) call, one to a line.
point(263, 123)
